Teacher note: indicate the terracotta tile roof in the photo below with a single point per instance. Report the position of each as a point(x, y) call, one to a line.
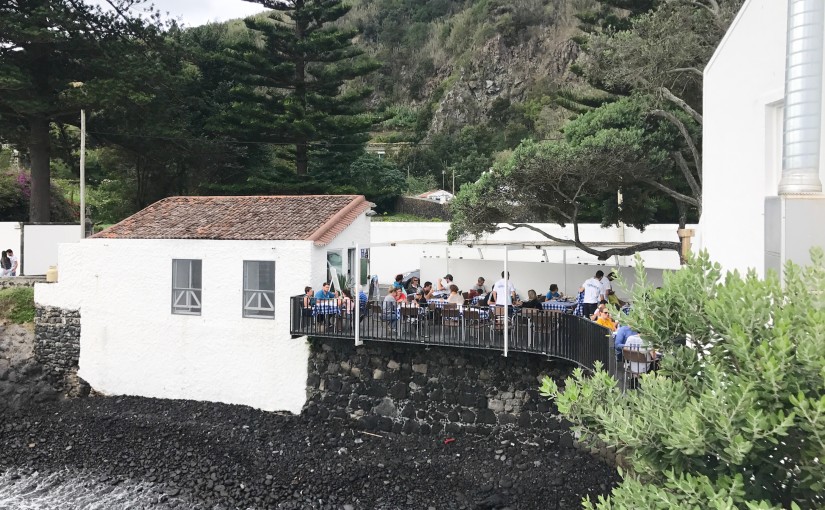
point(317, 218)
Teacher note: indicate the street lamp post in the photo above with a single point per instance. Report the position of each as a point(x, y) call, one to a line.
point(82, 174)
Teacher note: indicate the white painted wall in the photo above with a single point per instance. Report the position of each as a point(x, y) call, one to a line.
point(742, 135)
point(132, 344)
point(358, 230)
point(41, 242)
point(386, 262)
point(528, 275)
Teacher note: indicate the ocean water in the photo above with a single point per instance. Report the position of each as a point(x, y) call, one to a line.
point(76, 490)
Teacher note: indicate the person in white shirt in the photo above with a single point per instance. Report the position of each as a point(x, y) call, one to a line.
point(593, 293)
point(606, 285)
point(14, 263)
point(635, 343)
point(504, 293)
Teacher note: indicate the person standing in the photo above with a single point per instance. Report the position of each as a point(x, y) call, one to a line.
point(592, 289)
point(607, 286)
point(14, 263)
point(504, 292)
point(5, 264)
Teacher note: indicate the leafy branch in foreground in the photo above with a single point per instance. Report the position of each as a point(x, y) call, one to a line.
point(735, 418)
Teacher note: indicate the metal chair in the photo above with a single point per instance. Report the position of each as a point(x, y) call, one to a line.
point(411, 318)
point(451, 319)
point(634, 358)
point(476, 320)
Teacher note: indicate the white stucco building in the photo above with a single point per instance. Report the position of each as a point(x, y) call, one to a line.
point(437, 195)
point(762, 164)
point(189, 298)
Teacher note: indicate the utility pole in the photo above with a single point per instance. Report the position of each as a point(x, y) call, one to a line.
point(82, 174)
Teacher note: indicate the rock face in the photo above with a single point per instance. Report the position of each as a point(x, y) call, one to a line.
point(39, 363)
point(506, 71)
point(22, 380)
point(418, 390)
point(57, 347)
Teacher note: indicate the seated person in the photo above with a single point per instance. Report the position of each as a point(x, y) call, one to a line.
point(553, 293)
point(636, 343)
point(479, 287)
point(309, 299)
point(427, 290)
point(325, 293)
point(605, 320)
point(414, 285)
point(420, 299)
point(455, 297)
point(613, 299)
point(411, 301)
point(599, 309)
point(532, 300)
point(444, 283)
point(621, 336)
point(388, 306)
point(399, 281)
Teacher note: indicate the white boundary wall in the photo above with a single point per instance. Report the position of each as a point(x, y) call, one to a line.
point(40, 244)
point(386, 262)
point(528, 275)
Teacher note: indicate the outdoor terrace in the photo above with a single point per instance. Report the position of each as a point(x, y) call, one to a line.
point(552, 333)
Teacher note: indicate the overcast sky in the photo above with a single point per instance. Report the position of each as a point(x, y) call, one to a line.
point(198, 12)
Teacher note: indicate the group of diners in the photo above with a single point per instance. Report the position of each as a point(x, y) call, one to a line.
point(502, 293)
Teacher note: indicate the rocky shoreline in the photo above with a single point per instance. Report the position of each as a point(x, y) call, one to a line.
point(203, 455)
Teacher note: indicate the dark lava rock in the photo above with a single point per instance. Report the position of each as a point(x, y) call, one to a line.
point(205, 455)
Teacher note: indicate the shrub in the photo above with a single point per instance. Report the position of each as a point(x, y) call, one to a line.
point(17, 304)
point(735, 418)
point(15, 191)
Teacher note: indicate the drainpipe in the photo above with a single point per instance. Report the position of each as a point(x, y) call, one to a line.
point(803, 98)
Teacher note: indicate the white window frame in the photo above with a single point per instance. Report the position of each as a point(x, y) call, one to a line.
point(258, 303)
point(186, 300)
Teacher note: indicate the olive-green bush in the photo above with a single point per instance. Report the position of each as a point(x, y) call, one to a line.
point(735, 417)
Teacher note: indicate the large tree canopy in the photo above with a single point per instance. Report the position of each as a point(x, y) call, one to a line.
point(642, 137)
point(56, 57)
point(296, 81)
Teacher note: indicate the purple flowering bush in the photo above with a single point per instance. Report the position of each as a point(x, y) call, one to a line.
point(15, 193)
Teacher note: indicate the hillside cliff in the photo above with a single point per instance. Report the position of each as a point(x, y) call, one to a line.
point(449, 64)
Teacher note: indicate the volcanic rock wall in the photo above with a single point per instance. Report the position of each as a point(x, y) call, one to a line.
point(57, 346)
point(418, 390)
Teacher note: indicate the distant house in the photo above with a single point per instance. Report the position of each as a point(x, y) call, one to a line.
point(438, 195)
point(189, 298)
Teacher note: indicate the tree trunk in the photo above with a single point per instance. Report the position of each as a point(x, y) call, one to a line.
point(40, 171)
point(301, 155)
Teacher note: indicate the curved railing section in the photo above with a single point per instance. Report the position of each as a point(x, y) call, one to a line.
point(547, 332)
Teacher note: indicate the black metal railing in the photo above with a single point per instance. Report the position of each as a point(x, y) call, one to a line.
point(552, 333)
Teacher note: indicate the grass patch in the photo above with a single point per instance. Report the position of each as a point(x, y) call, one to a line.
point(17, 304)
point(401, 217)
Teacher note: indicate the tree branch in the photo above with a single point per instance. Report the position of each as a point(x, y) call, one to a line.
point(691, 70)
point(691, 179)
point(601, 254)
point(675, 194)
point(670, 96)
point(697, 157)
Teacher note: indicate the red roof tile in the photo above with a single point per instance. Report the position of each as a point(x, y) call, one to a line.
point(317, 218)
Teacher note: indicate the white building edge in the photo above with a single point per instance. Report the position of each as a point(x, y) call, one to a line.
point(134, 343)
point(763, 164)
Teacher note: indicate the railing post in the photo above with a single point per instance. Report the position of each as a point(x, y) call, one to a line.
point(357, 325)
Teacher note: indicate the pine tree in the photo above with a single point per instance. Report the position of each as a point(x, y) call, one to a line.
point(299, 81)
point(50, 68)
